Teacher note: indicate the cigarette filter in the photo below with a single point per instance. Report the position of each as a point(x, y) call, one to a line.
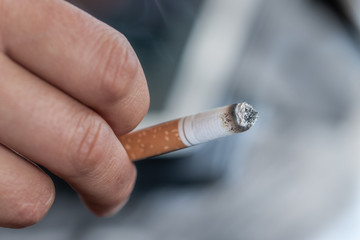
point(188, 131)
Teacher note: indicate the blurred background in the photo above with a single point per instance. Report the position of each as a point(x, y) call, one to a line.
point(294, 175)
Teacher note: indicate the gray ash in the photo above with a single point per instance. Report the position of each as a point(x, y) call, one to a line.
point(250, 115)
point(245, 115)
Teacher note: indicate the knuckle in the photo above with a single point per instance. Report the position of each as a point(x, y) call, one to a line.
point(89, 144)
point(118, 66)
point(136, 105)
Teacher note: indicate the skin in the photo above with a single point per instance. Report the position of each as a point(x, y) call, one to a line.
point(69, 85)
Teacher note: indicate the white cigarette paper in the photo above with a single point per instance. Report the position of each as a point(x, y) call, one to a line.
point(216, 123)
point(189, 131)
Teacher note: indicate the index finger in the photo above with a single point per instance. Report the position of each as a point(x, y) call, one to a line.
point(75, 52)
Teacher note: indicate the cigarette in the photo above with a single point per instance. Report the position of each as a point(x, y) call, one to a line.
point(189, 131)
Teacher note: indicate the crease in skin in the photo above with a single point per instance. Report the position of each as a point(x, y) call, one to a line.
point(119, 65)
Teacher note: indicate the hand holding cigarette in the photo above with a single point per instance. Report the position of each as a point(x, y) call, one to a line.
point(69, 85)
point(189, 131)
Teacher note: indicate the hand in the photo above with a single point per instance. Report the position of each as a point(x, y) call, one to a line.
point(69, 85)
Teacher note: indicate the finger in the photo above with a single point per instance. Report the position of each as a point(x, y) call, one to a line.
point(26, 192)
point(57, 132)
point(80, 55)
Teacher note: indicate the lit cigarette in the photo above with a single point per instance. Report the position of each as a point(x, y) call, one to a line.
point(188, 131)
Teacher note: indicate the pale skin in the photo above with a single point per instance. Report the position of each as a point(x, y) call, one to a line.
point(68, 85)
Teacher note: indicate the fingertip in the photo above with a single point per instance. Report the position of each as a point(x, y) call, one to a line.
point(26, 192)
point(106, 213)
point(118, 199)
point(35, 204)
point(106, 188)
point(30, 211)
